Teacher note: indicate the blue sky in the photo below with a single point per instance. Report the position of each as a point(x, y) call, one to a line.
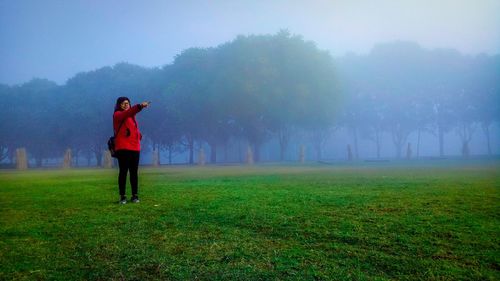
point(57, 39)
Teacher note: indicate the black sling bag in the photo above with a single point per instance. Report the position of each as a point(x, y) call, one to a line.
point(111, 141)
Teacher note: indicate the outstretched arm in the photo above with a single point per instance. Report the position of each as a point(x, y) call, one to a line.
point(121, 115)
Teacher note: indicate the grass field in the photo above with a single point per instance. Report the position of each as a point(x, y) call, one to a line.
point(317, 222)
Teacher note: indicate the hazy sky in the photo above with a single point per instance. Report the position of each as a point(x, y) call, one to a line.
point(57, 39)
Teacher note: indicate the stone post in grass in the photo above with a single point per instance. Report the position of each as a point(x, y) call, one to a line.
point(201, 157)
point(67, 159)
point(249, 158)
point(21, 159)
point(302, 154)
point(107, 159)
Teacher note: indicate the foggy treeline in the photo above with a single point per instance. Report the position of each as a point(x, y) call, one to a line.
point(272, 91)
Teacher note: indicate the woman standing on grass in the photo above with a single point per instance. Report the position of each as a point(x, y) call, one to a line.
point(127, 145)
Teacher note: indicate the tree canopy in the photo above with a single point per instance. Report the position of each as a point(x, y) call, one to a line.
point(257, 89)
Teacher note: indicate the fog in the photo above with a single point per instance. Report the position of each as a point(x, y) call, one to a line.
point(55, 39)
point(283, 81)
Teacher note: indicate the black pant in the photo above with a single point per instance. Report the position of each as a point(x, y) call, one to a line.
point(128, 161)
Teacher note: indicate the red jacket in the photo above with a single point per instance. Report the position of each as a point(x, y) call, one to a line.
point(129, 137)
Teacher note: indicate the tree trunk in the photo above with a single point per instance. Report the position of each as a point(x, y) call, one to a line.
point(399, 137)
point(396, 141)
point(191, 150)
point(282, 152)
point(465, 149)
point(355, 135)
point(399, 147)
point(318, 139)
point(3, 153)
point(87, 154)
point(213, 153)
point(441, 142)
point(317, 148)
point(486, 130)
point(11, 156)
point(159, 155)
point(39, 161)
point(418, 143)
point(466, 135)
point(76, 159)
point(349, 153)
point(283, 141)
point(256, 153)
point(240, 157)
point(408, 152)
point(225, 152)
point(98, 156)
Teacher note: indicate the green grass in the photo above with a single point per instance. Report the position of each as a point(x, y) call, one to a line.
point(372, 222)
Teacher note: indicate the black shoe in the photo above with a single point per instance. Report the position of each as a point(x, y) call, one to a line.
point(135, 199)
point(123, 200)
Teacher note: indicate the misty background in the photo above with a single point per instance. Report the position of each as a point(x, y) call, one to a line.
point(328, 79)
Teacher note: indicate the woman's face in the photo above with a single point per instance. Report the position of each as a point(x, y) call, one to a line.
point(125, 105)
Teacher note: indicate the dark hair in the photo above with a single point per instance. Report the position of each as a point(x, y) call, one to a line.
point(119, 102)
